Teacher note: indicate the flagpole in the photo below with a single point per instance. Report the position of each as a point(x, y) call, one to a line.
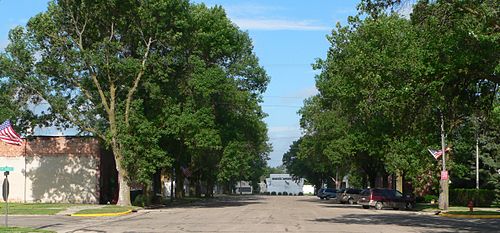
point(25, 161)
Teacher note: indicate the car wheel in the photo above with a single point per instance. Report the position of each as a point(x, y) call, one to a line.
point(350, 201)
point(409, 206)
point(379, 205)
point(366, 207)
point(327, 198)
point(321, 198)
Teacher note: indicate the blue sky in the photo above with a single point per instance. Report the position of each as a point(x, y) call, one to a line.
point(288, 35)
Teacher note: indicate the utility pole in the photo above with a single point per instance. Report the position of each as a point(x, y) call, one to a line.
point(477, 161)
point(443, 195)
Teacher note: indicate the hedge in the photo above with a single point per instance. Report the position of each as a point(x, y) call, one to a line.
point(481, 197)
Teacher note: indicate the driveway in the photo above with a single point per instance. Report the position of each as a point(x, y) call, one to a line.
point(262, 214)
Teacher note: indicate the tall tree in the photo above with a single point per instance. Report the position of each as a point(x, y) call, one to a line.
point(87, 59)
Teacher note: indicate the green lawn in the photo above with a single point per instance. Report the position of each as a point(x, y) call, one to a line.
point(480, 212)
point(34, 208)
point(106, 209)
point(454, 209)
point(21, 229)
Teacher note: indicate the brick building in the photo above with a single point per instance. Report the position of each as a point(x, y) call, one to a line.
point(59, 169)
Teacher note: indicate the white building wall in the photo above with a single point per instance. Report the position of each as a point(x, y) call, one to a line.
point(308, 189)
point(53, 169)
point(280, 183)
point(67, 179)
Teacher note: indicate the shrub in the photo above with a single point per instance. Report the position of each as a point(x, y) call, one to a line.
point(290, 194)
point(301, 194)
point(285, 194)
point(279, 193)
point(273, 193)
point(429, 198)
point(141, 200)
point(481, 197)
point(267, 193)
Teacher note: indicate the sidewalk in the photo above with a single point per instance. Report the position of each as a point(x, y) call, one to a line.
point(74, 209)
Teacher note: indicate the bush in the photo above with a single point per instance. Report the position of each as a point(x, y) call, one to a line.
point(290, 194)
point(429, 198)
point(481, 197)
point(301, 194)
point(141, 200)
point(273, 193)
point(266, 193)
point(285, 194)
point(279, 193)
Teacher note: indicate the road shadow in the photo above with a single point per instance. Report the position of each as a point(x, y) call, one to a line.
point(432, 223)
point(215, 202)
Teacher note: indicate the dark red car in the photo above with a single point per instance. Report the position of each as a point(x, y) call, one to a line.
point(385, 198)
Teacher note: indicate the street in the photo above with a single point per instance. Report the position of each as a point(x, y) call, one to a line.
point(261, 214)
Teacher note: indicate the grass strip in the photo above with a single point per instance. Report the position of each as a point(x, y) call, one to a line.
point(22, 229)
point(479, 212)
point(35, 208)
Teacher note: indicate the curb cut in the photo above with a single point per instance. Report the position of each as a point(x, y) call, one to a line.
point(102, 214)
point(470, 216)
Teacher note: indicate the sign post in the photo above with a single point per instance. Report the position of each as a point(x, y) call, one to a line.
point(443, 183)
point(5, 191)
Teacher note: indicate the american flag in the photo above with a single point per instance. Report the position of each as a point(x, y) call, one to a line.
point(437, 153)
point(8, 135)
point(186, 171)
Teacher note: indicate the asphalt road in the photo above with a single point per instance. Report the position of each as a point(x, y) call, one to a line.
point(261, 214)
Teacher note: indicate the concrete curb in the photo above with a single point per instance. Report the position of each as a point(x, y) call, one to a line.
point(470, 216)
point(102, 214)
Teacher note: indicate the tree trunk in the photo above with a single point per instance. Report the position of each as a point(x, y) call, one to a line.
point(124, 192)
point(179, 182)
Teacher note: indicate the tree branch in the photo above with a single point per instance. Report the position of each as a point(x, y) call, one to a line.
point(136, 81)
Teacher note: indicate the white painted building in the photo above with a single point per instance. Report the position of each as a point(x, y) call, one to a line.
point(308, 189)
point(280, 183)
point(243, 187)
point(56, 169)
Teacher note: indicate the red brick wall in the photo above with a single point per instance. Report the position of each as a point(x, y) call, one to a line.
point(53, 146)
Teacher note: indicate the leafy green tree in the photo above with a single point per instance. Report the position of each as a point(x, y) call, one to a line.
point(387, 79)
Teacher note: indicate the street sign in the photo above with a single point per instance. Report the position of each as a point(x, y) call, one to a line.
point(6, 169)
point(5, 189)
point(444, 175)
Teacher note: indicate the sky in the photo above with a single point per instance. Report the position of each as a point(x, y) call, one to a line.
point(288, 36)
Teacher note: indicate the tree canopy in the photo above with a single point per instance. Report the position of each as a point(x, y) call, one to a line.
point(387, 80)
point(162, 83)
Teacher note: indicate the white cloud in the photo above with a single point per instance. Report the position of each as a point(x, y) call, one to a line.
point(279, 24)
point(247, 9)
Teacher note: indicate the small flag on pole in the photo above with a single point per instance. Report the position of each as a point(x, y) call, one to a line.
point(8, 135)
point(437, 153)
point(186, 171)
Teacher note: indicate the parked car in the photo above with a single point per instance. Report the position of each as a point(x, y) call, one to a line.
point(327, 193)
point(349, 195)
point(320, 193)
point(385, 198)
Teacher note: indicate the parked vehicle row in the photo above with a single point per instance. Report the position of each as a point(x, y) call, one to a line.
point(327, 193)
point(376, 198)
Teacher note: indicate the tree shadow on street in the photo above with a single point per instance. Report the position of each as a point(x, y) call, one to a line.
point(215, 202)
point(429, 223)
